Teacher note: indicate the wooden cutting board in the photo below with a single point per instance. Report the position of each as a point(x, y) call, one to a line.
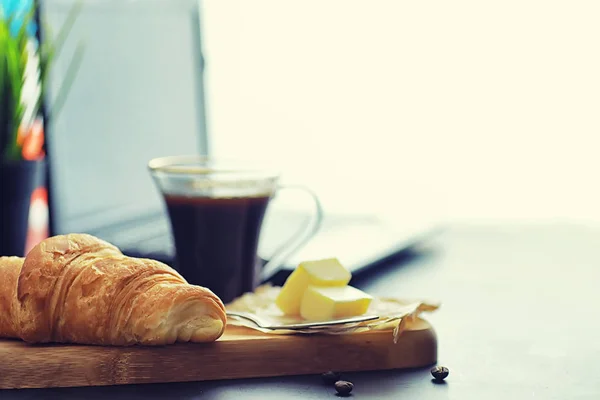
point(239, 353)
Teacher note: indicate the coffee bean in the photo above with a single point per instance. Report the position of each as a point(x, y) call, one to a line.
point(440, 373)
point(344, 387)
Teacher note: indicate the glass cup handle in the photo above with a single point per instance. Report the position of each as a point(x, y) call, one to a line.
point(298, 240)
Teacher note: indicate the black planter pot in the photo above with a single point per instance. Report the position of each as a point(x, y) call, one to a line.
point(18, 180)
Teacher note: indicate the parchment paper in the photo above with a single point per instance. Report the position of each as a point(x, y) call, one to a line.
point(394, 314)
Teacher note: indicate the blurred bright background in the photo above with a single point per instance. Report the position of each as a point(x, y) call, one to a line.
point(480, 110)
point(464, 109)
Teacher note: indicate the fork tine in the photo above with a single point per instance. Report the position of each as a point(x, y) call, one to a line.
point(305, 325)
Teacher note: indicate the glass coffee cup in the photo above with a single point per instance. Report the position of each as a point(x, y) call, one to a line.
point(216, 211)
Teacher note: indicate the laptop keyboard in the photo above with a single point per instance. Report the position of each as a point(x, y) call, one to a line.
point(150, 238)
point(358, 242)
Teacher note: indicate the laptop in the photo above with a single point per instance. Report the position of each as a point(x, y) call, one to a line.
point(139, 94)
point(127, 107)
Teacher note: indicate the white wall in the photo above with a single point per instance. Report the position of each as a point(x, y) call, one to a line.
point(490, 108)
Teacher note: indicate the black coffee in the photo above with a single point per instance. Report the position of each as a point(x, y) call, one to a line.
point(216, 241)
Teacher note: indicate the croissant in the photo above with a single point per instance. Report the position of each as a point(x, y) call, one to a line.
point(77, 288)
point(9, 273)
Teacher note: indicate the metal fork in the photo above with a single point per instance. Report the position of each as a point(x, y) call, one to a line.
point(305, 325)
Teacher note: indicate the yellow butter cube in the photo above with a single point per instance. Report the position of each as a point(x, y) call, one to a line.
point(326, 303)
point(327, 272)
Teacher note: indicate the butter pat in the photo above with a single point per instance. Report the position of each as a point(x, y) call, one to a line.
point(326, 303)
point(327, 273)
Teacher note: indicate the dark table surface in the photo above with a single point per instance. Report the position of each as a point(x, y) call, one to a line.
point(519, 320)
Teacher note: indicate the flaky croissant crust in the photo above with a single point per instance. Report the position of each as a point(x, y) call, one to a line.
point(79, 289)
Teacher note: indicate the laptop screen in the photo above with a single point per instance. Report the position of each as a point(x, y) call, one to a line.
point(137, 95)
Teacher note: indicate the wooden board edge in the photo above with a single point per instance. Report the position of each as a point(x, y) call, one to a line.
point(119, 366)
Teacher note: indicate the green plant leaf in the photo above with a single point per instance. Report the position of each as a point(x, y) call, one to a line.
point(5, 106)
point(9, 21)
point(13, 74)
point(22, 35)
point(13, 69)
point(14, 57)
point(3, 78)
